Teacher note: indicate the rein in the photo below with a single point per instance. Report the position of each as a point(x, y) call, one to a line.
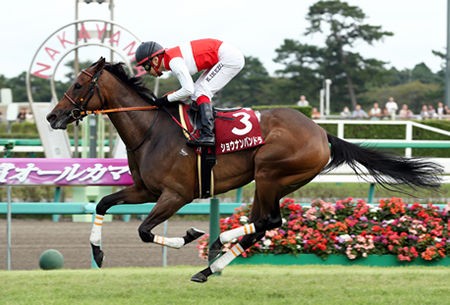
point(80, 110)
point(122, 109)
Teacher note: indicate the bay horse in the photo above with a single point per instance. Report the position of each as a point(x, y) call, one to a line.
point(163, 167)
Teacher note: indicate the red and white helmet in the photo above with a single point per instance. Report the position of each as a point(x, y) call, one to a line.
point(145, 52)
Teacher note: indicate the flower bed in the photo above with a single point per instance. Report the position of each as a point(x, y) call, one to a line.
point(351, 228)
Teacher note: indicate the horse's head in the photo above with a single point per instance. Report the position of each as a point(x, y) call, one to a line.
point(83, 95)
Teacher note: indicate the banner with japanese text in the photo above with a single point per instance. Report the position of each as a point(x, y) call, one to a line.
point(75, 171)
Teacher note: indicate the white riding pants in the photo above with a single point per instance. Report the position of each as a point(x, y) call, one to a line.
point(231, 61)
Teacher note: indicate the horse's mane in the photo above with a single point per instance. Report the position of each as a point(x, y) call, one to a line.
point(136, 83)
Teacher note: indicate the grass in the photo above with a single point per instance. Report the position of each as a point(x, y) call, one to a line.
point(330, 285)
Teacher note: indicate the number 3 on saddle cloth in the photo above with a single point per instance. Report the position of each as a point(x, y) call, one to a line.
point(235, 130)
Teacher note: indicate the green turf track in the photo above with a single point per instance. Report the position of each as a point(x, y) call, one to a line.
point(260, 285)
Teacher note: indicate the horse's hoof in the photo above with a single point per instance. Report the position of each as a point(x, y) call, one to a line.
point(202, 276)
point(199, 278)
point(195, 233)
point(98, 255)
point(192, 234)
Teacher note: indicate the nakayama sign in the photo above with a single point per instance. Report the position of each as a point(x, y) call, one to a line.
point(96, 34)
point(80, 34)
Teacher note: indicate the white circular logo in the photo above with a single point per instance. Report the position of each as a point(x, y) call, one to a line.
point(76, 36)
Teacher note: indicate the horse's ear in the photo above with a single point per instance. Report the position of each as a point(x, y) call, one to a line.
point(101, 63)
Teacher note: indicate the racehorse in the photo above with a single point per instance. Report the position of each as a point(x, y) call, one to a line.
point(163, 167)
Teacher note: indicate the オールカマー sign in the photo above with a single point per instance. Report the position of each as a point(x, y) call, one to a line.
point(75, 171)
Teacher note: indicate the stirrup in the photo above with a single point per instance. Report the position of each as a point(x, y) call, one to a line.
point(201, 142)
point(205, 140)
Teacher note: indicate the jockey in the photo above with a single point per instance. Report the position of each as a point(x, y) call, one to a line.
point(218, 60)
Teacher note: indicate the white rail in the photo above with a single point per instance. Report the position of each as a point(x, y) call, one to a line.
point(409, 125)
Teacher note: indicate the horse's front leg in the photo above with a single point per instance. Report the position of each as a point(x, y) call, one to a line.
point(168, 204)
point(127, 195)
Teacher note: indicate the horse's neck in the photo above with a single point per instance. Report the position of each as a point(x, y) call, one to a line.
point(131, 125)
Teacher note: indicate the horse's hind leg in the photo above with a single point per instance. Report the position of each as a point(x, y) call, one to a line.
point(260, 226)
point(223, 261)
point(266, 195)
point(273, 221)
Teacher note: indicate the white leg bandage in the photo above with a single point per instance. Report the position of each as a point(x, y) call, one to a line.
point(96, 232)
point(238, 232)
point(225, 259)
point(172, 242)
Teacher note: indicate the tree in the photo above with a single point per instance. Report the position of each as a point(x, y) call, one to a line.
point(342, 26)
point(70, 64)
point(345, 27)
point(248, 88)
point(414, 94)
point(303, 67)
point(396, 77)
point(40, 88)
point(3, 81)
point(422, 73)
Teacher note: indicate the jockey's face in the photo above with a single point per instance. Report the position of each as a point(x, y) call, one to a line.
point(152, 72)
point(155, 63)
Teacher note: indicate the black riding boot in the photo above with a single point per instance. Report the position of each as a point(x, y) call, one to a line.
point(207, 131)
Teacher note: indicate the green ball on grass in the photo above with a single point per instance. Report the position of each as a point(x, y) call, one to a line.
point(51, 259)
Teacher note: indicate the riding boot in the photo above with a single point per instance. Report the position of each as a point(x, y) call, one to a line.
point(207, 127)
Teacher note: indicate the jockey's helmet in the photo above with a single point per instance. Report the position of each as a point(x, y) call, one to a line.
point(146, 51)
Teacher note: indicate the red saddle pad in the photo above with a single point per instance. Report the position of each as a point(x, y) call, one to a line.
point(235, 130)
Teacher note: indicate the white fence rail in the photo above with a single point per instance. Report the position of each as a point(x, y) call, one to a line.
point(408, 139)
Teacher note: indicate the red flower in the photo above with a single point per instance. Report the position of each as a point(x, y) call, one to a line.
point(351, 228)
point(294, 207)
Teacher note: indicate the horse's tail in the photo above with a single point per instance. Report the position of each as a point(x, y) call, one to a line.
point(387, 169)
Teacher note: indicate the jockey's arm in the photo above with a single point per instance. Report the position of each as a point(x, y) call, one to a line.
point(179, 68)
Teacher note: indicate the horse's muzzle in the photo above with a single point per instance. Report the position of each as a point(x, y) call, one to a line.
point(57, 122)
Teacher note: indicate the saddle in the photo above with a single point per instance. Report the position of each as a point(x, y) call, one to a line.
point(236, 129)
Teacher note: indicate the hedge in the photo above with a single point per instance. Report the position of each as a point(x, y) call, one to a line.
point(29, 130)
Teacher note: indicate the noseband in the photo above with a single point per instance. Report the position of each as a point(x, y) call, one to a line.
point(79, 112)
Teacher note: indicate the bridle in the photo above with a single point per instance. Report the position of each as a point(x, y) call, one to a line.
point(80, 111)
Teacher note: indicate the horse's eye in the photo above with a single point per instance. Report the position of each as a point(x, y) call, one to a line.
point(77, 86)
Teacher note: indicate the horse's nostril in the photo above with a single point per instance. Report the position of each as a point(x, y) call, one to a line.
point(51, 117)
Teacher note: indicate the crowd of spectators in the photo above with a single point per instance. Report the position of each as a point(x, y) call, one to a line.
point(22, 116)
point(392, 111)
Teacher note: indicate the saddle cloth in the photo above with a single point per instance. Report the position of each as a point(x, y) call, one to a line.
point(235, 130)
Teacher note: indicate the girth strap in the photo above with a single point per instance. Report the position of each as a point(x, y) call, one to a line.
point(206, 159)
